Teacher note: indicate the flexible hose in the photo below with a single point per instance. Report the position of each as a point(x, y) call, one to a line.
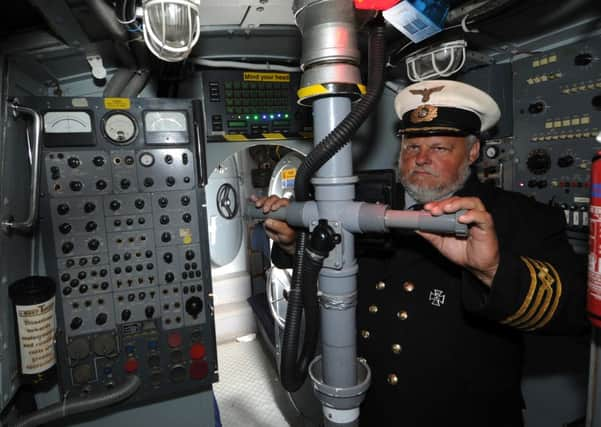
point(303, 292)
point(118, 82)
point(78, 405)
point(303, 289)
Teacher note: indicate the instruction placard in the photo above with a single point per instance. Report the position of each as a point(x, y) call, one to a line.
point(37, 325)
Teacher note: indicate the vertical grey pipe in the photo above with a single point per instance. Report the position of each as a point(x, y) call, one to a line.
point(337, 321)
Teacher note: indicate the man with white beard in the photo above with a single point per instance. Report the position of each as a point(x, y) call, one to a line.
point(440, 318)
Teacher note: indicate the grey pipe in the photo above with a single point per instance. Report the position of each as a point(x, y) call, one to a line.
point(107, 16)
point(118, 82)
point(81, 404)
point(136, 83)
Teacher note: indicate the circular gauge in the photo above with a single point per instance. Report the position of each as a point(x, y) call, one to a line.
point(120, 128)
point(491, 151)
point(146, 159)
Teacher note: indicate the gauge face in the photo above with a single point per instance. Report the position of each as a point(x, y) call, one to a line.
point(120, 128)
point(165, 121)
point(67, 122)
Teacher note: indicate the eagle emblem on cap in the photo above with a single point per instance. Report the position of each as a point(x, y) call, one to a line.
point(425, 93)
point(424, 113)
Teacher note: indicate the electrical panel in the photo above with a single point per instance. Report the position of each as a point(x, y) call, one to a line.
point(251, 105)
point(124, 223)
point(557, 118)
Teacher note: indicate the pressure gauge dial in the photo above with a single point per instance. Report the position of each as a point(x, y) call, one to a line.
point(120, 128)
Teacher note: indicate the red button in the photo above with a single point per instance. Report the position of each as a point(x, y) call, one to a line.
point(197, 351)
point(174, 339)
point(199, 369)
point(131, 365)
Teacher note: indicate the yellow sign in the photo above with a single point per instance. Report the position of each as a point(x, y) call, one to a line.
point(250, 76)
point(186, 235)
point(288, 173)
point(117, 103)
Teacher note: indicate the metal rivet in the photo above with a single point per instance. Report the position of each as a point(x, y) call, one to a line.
point(396, 348)
point(403, 315)
point(373, 308)
point(392, 379)
point(408, 286)
point(380, 285)
point(365, 334)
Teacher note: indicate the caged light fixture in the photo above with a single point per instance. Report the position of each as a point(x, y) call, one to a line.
point(171, 27)
point(441, 61)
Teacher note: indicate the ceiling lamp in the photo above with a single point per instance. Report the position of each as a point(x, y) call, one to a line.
point(434, 62)
point(171, 27)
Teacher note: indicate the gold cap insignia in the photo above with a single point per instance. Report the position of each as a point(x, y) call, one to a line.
point(424, 113)
point(425, 93)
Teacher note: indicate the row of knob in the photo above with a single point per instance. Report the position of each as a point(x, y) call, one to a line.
point(101, 184)
point(115, 205)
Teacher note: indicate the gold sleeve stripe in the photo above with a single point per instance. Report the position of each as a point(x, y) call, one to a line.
point(541, 301)
point(529, 296)
point(558, 291)
point(535, 313)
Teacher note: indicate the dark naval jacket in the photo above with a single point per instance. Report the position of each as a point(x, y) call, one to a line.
point(443, 348)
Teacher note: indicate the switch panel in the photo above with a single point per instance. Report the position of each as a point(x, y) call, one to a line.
point(123, 219)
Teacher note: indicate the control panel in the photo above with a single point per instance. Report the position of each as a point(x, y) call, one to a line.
point(249, 105)
point(123, 220)
point(557, 114)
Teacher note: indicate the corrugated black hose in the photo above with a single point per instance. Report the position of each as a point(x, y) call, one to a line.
point(303, 288)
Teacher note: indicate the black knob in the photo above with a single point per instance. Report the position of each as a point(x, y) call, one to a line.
point(149, 312)
point(65, 228)
point(565, 161)
point(127, 256)
point(76, 323)
point(139, 203)
point(185, 200)
point(125, 315)
point(62, 209)
point(115, 205)
point(164, 219)
point(189, 255)
point(542, 183)
point(82, 275)
point(93, 244)
point(194, 306)
point(125, 183)
point(583, 59)
point(532, 183)
point(163, 202)
point(98, 161)
point(129, 160)
point(104, 286)
point(187, 217)
point(95, 260)
point(67, 247)
point(73, 162)
point(168, 257)
point(91, 226)
point(536, 108)
point(101, 319)
point(185, 158)
point(89, 207)
point(168, 159)
point(101, 184)
point(75, 185)
point(129, 221)
point(169, 277)
point(170, 181)
point(166, 237)
point(539, 162)
point(148, 182)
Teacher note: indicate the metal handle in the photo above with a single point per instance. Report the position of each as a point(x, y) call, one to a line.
point(27, 225)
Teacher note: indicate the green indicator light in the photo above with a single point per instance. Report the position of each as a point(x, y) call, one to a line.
point(247, 117)
point(256, 117)
point(285, 116)
point(271, 116)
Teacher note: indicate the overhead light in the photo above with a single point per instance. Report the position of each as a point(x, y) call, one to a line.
point(171, 27)
point(441, 61)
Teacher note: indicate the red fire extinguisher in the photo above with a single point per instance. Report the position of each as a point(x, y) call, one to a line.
point(593, 297)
